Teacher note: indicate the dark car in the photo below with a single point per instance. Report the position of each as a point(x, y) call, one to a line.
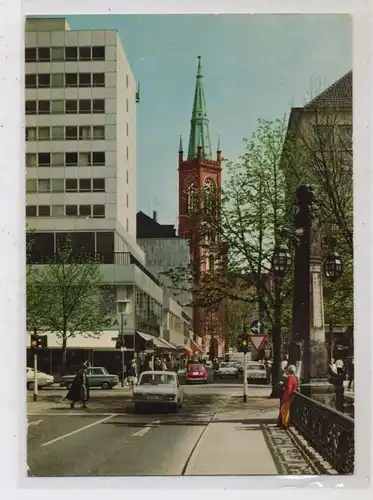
point(196, 373)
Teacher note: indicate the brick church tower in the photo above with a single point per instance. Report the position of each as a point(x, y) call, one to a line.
point(199, 173)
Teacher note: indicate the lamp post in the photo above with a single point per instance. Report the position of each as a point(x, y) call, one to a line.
point(333, 270)
point(121, 310)
point(281, 262)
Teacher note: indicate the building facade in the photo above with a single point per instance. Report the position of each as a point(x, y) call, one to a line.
point(80, 136)
point(200, 188)
point(164, 251)
point(80, 129)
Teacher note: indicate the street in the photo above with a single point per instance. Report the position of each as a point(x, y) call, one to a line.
point(213, 433)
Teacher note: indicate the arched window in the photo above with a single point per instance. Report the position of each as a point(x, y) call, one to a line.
point(191, 192)
point(209, 190)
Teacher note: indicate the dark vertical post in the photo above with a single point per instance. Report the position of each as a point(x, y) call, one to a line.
point(300, 333)
point(276, 336)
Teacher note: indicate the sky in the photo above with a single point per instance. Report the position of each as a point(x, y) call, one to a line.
point(254, 66)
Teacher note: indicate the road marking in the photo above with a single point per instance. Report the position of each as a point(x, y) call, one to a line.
point(146, 429)
point(35, 422)
point(78, 430)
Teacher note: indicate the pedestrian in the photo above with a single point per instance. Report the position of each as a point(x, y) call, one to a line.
point(338, 381)
point(79, 390)
point(285, 362)
point(163, 365)
point(287, 396)
point(131, 373)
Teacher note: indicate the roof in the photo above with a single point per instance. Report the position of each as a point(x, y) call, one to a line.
point(147, 227)
point(199, 124)
point(338, 95)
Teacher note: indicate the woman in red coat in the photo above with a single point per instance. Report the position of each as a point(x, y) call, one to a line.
point(287, 396)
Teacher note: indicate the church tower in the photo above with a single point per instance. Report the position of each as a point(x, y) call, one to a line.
point(198, 173)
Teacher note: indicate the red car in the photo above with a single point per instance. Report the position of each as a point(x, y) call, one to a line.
point(196, 373)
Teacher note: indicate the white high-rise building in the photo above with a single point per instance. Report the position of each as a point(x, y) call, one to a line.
point(80, 138)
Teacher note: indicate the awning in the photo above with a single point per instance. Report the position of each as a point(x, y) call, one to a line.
point(167, 345)
point(196, 346)
point(157, 342)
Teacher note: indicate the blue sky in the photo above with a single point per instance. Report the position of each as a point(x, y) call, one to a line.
point(254, 66)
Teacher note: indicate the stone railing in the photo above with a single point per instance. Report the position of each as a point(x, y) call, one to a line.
point(329, 432)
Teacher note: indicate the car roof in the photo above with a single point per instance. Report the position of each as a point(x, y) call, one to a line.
point(158, 372)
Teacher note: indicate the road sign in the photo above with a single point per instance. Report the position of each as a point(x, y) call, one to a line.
point(256, 326)
point(258, 341)
point(149, 344)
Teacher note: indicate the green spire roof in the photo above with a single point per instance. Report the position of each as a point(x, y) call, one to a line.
point(199, 124)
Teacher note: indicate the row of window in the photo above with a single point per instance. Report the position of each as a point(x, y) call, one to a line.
point(61, 80)
point(82, 133)
point(65, 107)
point(45, 54)
point(65, 185)
point(95, 211)
point(86, 159)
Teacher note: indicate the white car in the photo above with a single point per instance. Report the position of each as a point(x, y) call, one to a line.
point(158, 388)
point(256, 372)
point(44, 380)
point(227, 369)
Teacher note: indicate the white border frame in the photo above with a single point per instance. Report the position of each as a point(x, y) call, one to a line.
point(12, 227)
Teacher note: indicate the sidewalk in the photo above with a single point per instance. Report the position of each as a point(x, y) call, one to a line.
point(245, 442)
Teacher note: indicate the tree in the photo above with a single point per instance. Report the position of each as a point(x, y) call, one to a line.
point(73, 304)
point(248, 221)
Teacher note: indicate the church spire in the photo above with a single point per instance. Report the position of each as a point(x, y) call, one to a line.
point(199, 124)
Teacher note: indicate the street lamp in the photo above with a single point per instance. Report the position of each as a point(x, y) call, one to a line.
point(333, 270)
point(122, 306)
point(281, 263)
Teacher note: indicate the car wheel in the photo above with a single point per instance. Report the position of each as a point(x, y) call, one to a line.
point(174, 408)
point(205, 381)
point(30, 386)
point(105, 385)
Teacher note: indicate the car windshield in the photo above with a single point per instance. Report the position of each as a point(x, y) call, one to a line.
point(156, 379)
point(195, 368)
point(255, 367)
point(226, 365)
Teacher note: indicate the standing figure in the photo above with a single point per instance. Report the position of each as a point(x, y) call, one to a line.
point(79, 390)
point(287, 396)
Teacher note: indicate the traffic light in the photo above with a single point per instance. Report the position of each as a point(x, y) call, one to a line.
point(39, 342)
point(243, 343)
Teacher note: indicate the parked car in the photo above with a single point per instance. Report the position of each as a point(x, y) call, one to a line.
point(158, 388)
point(98, 376)
point(196, 373)
point(256, 372)
point(227, 369)
point(44, 380)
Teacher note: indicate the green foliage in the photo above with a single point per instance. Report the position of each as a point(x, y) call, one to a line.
point(65, 297)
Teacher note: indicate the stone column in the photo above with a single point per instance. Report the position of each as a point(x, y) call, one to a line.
point(316, 384)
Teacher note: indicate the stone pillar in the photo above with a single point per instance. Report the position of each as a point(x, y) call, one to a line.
point(316, 384)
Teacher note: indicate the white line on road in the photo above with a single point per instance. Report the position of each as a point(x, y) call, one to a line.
point(78, 430)
point(146, 429)
point(35, 422)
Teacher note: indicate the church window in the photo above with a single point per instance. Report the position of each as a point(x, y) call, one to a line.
point(209, 196)
point(191, 197)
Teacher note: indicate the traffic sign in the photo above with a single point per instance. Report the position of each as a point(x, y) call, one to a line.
point(149, 344)
point(258, 341)
point(256, 326)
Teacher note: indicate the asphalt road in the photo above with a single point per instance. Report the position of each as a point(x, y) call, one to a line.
point(108, 439)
